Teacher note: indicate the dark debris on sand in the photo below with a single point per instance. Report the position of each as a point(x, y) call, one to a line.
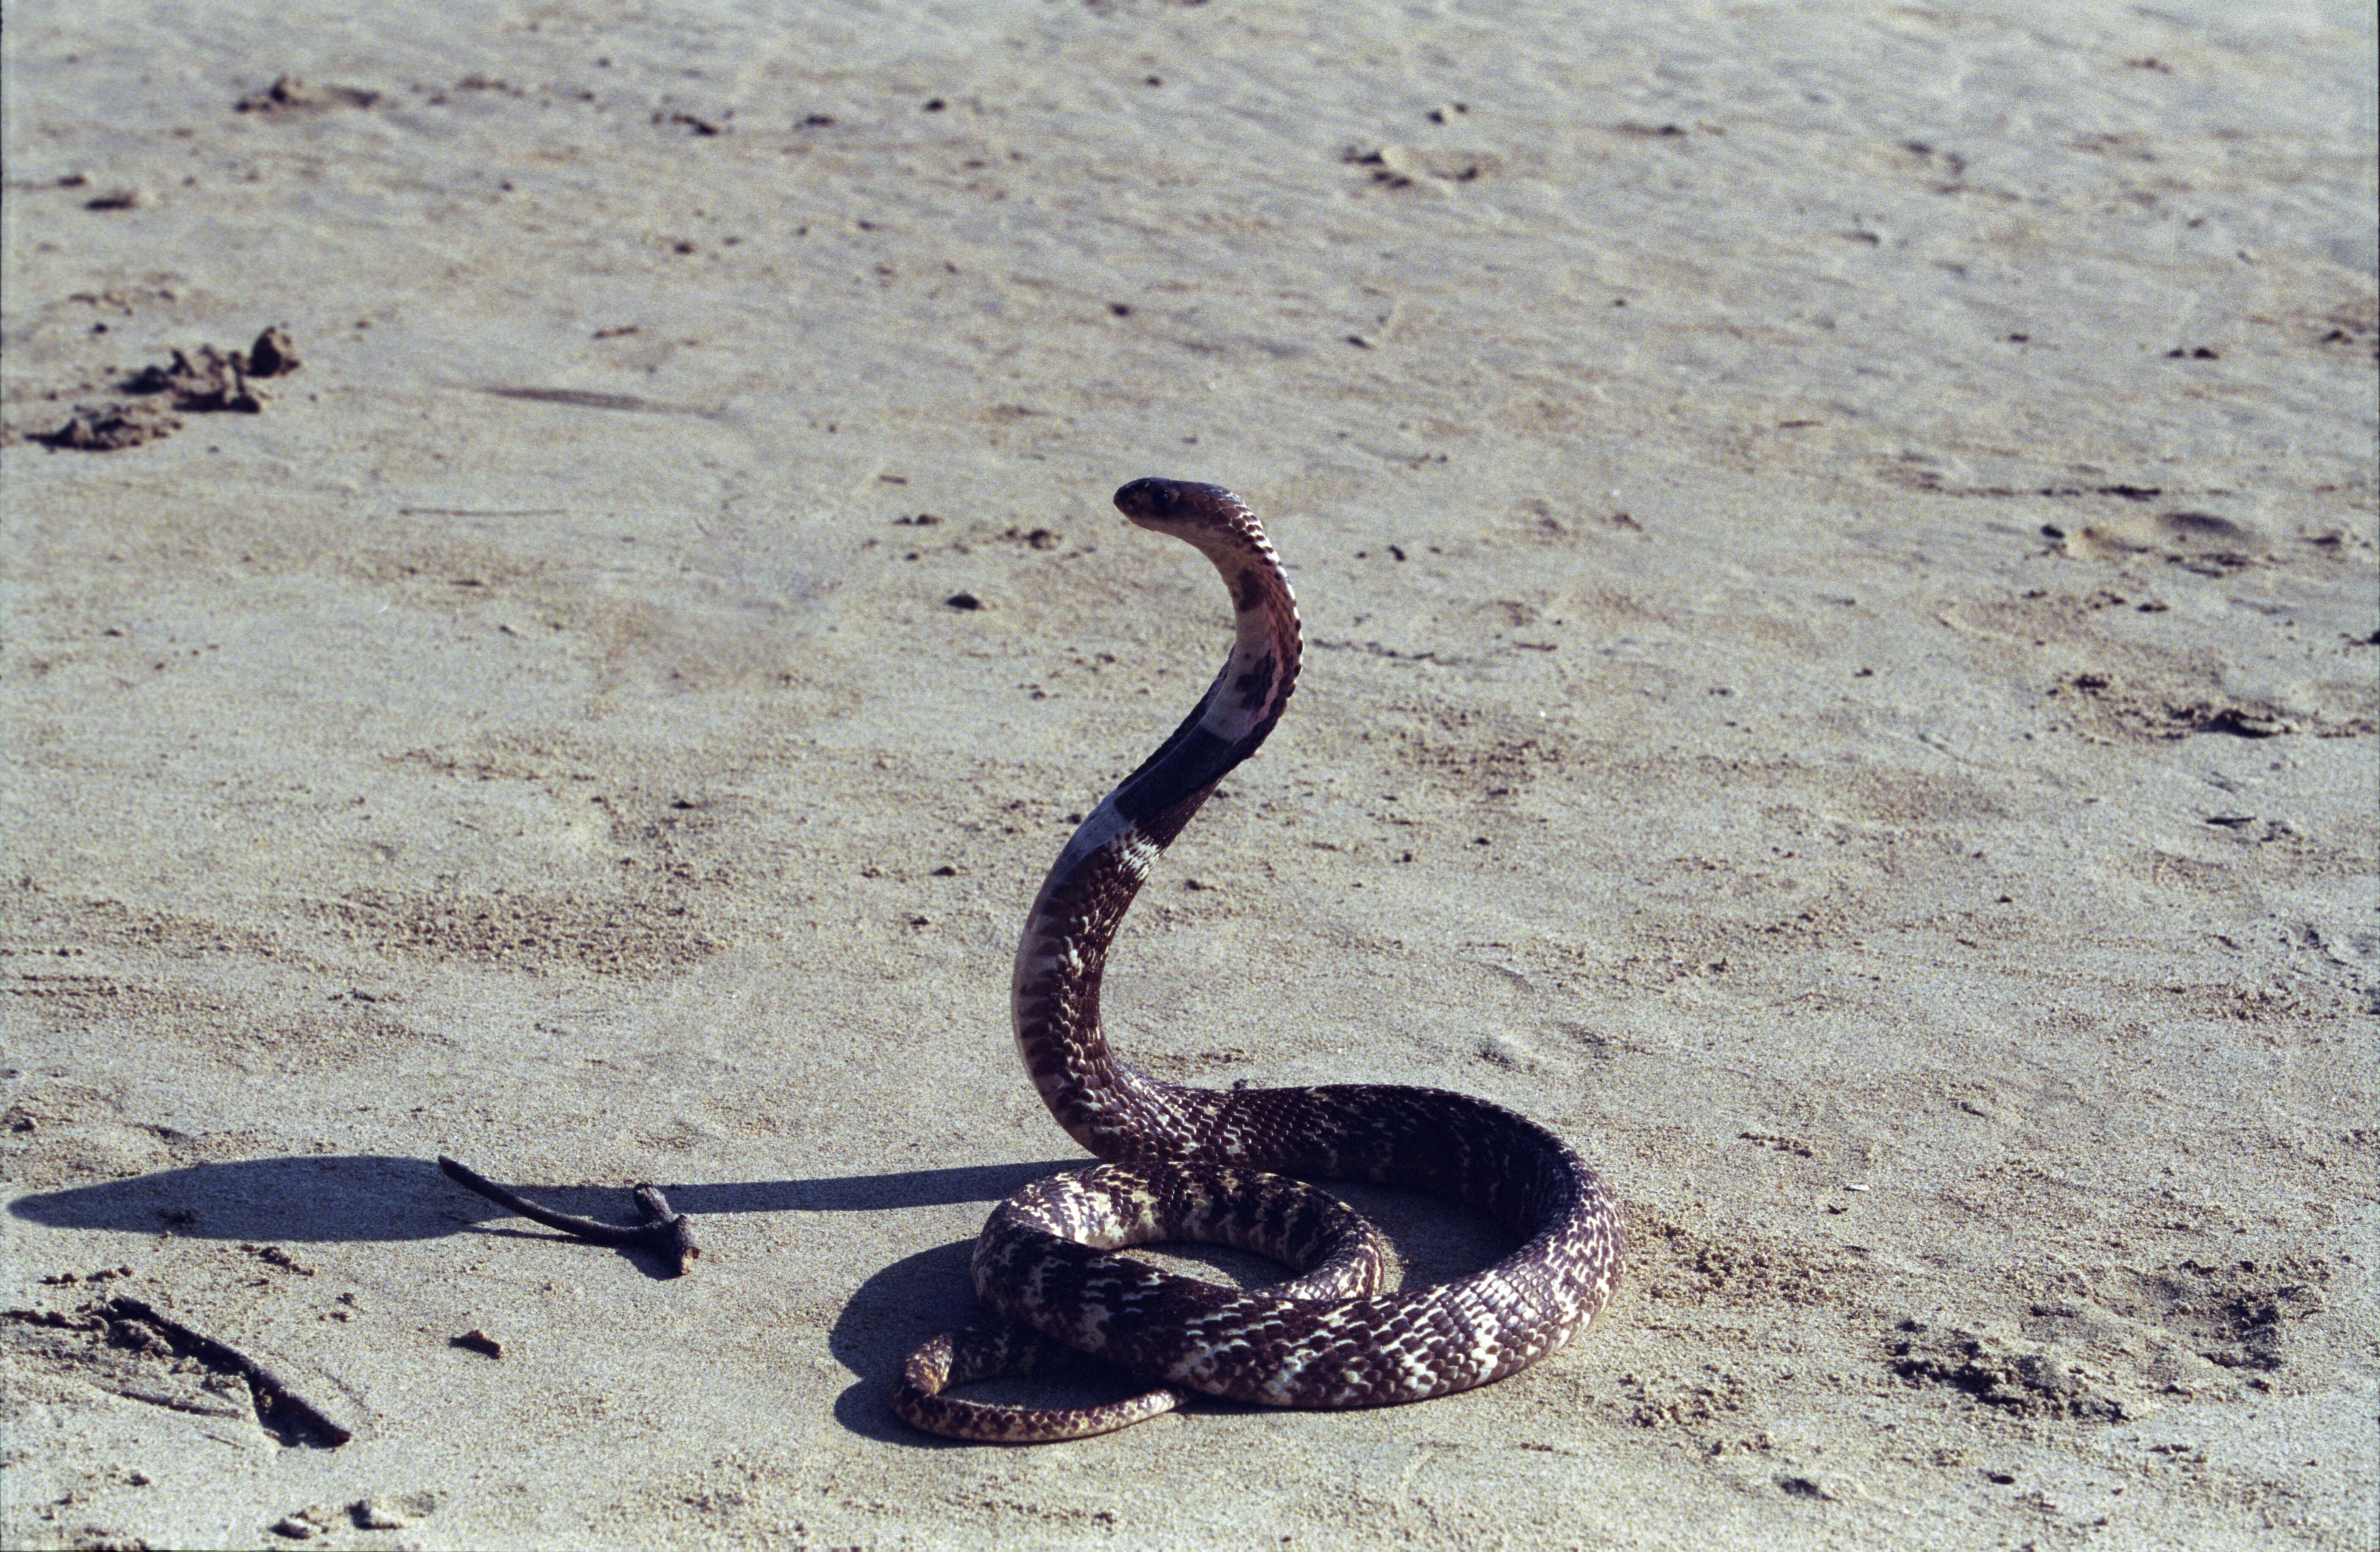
point(204, 380)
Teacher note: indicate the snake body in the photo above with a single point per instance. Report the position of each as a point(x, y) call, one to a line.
point(1210, 1165)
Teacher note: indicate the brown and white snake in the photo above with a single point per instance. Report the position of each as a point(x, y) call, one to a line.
point(1208, 1165)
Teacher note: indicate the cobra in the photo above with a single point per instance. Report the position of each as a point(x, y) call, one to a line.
point(1231, 1166)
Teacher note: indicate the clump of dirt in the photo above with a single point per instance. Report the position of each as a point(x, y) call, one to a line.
point(2026, 1379)
point(111, 428)
point(206, 381)
point(2146, 709)
point(211, 379)
point(1676, 1264)
point(1714, 1396)
point(288, 94)
point(2119, 1344)
point(2240, 1315)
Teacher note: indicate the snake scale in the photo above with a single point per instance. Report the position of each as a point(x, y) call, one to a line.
point(1213, 1165)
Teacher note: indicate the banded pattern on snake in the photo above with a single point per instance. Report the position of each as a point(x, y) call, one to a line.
point(1210, 1165)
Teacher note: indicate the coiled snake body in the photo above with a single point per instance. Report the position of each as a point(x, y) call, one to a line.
point(1201, 1164)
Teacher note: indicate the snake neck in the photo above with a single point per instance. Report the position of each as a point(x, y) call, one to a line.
point(1102, 1100)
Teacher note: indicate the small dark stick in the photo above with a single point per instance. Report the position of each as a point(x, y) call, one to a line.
point(659, 1229)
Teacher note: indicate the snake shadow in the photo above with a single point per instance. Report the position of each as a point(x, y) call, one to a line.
point(381, 1198)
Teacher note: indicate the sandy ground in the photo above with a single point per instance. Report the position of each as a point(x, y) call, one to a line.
point(1838, 549)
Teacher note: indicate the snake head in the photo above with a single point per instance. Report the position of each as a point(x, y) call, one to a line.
point(1177, 507)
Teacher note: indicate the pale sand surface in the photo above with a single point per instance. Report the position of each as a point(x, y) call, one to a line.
point(1839, 548)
